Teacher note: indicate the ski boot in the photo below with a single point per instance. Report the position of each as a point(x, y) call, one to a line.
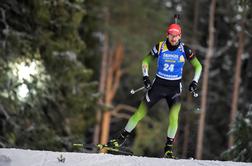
point(120, 140)
point(168, 149)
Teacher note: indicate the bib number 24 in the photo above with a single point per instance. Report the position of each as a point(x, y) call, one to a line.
point(168, 67)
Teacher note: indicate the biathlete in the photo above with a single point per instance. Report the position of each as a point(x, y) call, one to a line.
point(171, 55)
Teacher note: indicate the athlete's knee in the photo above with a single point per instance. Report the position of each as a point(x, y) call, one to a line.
point(175, 107)
point(148, 102)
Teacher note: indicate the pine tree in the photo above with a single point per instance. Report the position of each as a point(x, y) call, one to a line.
point(60, 102)
point(242, 133)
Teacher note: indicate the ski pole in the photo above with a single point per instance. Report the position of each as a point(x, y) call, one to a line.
point(136, 90)
point(197, 108)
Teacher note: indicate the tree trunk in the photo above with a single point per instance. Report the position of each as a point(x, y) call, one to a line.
point(205, 81)
point(236, 85)
point(112, 84)
point(102, 83)
point(103, 75)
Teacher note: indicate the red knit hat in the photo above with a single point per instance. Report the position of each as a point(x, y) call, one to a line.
point(173, 29)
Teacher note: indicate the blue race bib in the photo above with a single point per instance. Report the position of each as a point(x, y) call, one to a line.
point(170, 63)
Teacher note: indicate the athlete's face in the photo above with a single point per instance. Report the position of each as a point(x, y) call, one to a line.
point(174, 39)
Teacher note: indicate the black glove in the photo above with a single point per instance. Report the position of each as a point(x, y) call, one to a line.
point(147, 82)
point(193, 86)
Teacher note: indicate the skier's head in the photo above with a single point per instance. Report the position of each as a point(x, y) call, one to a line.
point(173, 33)
point(174, 29)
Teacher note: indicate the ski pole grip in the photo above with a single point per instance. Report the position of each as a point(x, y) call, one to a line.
point(194, 94)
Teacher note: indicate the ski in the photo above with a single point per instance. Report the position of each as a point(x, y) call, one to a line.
point(104, 148)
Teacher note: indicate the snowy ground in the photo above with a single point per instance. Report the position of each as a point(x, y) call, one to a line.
point(19, 157)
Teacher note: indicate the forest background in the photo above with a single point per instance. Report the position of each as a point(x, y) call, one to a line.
point(67, 67)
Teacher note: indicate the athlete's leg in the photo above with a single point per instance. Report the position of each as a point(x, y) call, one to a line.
point(173, 120)
point(136, 117)
point(172, 129)
point(151, 97)
point(174, 103)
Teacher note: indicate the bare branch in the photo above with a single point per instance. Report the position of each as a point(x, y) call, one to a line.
point(120, 115)
point(116, 111)
point(120, 107)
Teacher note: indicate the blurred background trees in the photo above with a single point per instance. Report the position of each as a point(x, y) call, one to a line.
point(47, 95)
point(54, 85)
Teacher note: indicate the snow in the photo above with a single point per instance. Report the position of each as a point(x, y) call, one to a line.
point(21, 157)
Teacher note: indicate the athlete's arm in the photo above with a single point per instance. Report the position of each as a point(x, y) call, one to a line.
point(146, 63)
point(197, 68)
point(194, 62)
point(148, 58)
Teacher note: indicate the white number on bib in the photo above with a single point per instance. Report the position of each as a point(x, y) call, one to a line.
point(168, 67)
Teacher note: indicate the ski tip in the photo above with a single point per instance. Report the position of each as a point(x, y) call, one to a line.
point(78, 145)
